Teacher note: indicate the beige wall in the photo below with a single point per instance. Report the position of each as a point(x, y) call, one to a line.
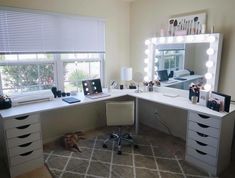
point(147, 17)
point(116, 15)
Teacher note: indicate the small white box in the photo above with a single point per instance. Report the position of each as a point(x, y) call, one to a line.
point(203, 97)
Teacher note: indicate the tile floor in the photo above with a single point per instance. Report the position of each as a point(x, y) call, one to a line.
point(158, 156)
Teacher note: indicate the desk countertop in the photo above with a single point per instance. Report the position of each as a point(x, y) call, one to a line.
point(157, 97)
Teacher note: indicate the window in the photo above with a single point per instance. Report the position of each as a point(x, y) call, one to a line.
point(42, 49)
point(30, 72)
point(170, 60)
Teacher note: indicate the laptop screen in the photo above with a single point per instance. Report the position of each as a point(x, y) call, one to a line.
point(91, 86)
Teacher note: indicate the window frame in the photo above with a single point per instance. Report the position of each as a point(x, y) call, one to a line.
point(58, 66)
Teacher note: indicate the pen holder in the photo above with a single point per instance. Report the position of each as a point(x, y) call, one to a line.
point(194, 93)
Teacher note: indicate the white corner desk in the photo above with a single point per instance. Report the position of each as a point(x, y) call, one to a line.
point(208, 141)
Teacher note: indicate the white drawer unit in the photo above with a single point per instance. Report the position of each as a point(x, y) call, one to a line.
point(205, 119)
point(203, 138)
point(204, 147)
point(208, 142)
point(23, 143)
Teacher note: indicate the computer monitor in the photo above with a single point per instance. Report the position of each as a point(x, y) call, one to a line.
point(91, 86)
point(162, 75)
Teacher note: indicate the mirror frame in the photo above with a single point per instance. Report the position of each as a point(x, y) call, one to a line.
point(213, 52)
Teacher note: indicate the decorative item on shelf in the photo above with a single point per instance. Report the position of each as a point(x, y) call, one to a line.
point(214, 104)
point(54, 91)
point(187, 25)
point(194, 91)
point(138, 78)
point(223, 99)
point(132, 86)
point(5, 102)
point(204, 97)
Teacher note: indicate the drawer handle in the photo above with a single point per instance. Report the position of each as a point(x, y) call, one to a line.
point(204, 116)
point(202, 135)
point(200, 152)
point(26, 144)
point(27, 153)
point(200, 143)
point(23, 127)
point(21, 118)
point(24, 136)
point(203, 125)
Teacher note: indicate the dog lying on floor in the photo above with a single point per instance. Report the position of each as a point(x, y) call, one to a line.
point(70, 141)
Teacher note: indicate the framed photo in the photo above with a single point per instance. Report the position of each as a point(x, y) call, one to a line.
point(187, 24)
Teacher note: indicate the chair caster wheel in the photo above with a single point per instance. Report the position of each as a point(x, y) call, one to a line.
point(119, 152)
point(105, 146)
point(136, 146)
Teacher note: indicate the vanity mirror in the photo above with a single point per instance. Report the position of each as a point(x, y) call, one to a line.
point(184, 59)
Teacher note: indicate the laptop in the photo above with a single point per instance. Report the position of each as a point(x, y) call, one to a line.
point(93, 89)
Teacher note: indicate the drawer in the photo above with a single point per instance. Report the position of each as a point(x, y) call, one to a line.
point(202, 147)
point(204, 157)
point(23, 148)
point(206, 167)
point(22, 130)
point(24, 157)
point(13, 142)
point(204, 119)
point(20, 121)
point(203, 138)
point(203, 128)
point(26, 167)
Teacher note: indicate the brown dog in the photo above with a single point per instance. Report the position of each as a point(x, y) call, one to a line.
point(71, 140)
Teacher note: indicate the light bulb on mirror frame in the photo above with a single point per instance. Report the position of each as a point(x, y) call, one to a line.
point(146, 78)
point(212, 39)
point(162, 40)
point(210, 51)
point(170, 39)
point(209, 64)
point(154, 41)
point(147, 42)
point(146, 69)
point(147, 51)
point(208, 76)
point(146, 60)
point(207, 87)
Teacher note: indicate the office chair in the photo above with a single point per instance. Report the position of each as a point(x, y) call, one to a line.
point(120, 113)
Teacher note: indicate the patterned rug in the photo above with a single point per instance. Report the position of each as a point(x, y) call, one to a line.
point(158, 156)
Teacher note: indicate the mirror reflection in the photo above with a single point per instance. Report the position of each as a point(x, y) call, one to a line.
point(178, 65)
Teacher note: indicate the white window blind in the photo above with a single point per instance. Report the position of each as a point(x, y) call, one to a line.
point(23, 31)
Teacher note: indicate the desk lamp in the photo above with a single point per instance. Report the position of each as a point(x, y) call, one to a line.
point(126, 74)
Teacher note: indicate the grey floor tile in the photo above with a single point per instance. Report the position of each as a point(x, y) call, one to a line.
point(163, 152)
point(171, 175)
point(72, 175)
point(55, 173)
point(56, 162)
point(99, 145)
point(125, 148)
point(188, 169)
point(146, 173)
point(61, 151)
point(122, 172)
point(45, 156)
point(102, 155)
point(85, 153)
point(124, 159)
point(168, 165)
point(145, 161)
point(89, 143)
point(77, 165)
point(99, 169)
point(144, 150)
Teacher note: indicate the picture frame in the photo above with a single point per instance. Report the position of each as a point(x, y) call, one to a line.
point(187, 24)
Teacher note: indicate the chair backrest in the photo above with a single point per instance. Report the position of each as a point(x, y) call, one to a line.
point(120, 113)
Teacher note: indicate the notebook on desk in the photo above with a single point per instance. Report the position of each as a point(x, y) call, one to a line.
point(93, 89)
